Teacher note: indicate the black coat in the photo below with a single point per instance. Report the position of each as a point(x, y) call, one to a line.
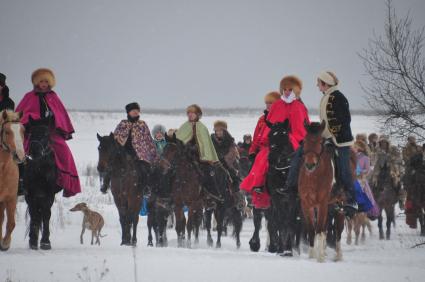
point(339, 117)
point(6, 103)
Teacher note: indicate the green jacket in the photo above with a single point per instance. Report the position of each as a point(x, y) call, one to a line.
point(206, 148)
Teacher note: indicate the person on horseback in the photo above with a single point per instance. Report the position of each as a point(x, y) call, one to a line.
point(5, 102)
point(258, 154)
point(334, 111)
point(227, 151)
point(245, 145)
point(373, 146)
point(43, 103)
point(158, 135)
point(194, 134)
point(134, 134)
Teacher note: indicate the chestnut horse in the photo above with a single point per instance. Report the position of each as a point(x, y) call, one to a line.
point(124, 185)
point(11, 153)
point(315, 190)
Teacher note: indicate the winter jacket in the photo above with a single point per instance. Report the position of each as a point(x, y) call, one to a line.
point(227, 151)
point(259, 132)
point(160, 145)
point(5, 102)
point(335, 111)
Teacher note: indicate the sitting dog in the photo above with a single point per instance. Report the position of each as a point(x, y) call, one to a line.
point(92, 220)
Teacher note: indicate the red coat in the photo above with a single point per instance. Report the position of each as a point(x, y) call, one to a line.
point(296, 112)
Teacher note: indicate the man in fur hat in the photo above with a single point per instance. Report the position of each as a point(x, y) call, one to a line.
point(5, 102)
point(158, 135)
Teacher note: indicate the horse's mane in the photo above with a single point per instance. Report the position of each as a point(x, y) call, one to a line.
point(315, 128)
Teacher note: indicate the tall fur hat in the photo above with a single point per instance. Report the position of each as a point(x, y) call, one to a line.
point(291, 82)
point(132, 106)
point(372, 136)
point(43, 74)
point(220, 124)
point(194, 109)
point(271, 97)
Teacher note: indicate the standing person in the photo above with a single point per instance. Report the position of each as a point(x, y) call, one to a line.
point(43, 103)
point(158, 135)
point(5, 102)
point(363, 170)
point(134, 134)
point(373, 146)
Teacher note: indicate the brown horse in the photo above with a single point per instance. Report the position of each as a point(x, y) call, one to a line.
point(324, 218)
point(11, 153)
point(186, 189)
point(124, 185)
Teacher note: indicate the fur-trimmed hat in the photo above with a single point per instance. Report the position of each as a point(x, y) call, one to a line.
point(132, 106)
point(372, 136)
point(271, 97)
point(291, 82)
point(362, 147)
point(247, 136)
point(328, 77)
point(158, 128)
point(220, 124)
point(361, 137)
point(43, 74)
point(194, 109)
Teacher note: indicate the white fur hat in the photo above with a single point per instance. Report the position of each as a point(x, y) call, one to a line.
point(328, 77)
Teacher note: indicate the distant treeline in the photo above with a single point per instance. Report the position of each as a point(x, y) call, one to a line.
point(213, 111)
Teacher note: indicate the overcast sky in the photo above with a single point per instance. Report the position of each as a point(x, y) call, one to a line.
point(168, 54)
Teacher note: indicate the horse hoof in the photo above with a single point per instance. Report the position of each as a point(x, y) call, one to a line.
point(150, 244)
point(254, 245)
point(45, 246)
point(4, 248)
point(238, 245)
point(287, 254)
point(33, 246)
point(311, 253)
point(210, 242)
point(218, 245)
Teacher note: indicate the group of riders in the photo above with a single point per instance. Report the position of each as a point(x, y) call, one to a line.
point(246, 163)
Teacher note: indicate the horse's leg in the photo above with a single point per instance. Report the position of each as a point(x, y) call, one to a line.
point(208, 217)
point(357, 226)
point(254, 242)
point(46, 213)
point(180, 224)
point(422, 221)
point(2, 212)
point(309, 224)
point(197, 220)
point(339, 228)
point(150, 223)
point(125, 240)
point(322, 217)
point(189, 226)
point(134, 223)
point(35, 222)
point(389, 211)
point(10, 211)
point(350, 222)
point(381, 231)
point(237, 219)
point(219, 215)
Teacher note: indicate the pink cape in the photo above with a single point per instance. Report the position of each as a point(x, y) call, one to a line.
point(67, 172)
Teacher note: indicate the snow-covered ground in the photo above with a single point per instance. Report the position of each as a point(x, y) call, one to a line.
point(376, 260)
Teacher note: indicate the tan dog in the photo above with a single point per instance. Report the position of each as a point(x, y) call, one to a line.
point(359, 221)
point(92, 220)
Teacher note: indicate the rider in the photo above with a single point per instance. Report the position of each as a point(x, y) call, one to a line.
point(133, 134)
point(243, 147)
point(195, 135)
point(158, 135)
point(5, 102)
point(43, 103)
point(258, 154)
point(227, 151)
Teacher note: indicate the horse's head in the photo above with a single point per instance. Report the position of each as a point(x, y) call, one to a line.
point(279, 134)
point(12, 135)
point(106, 148)
point(172, 151)
point(39, 138)
point(313, 145)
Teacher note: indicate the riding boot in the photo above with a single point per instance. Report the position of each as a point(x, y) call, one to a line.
point(144, 180)
point(21, 186)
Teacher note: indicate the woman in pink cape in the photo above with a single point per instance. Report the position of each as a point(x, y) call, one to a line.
point(42, 103)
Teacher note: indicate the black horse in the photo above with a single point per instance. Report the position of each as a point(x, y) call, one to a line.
point(128, 180)
point(40, 182)
point(285, 220)
point(416, 190)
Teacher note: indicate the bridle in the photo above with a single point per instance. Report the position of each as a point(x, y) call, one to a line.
point(316, 154)
point(45, 150)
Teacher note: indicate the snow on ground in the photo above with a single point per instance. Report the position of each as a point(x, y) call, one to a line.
point(387, 261)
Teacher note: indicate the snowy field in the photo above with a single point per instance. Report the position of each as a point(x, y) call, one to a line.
point(375, 260)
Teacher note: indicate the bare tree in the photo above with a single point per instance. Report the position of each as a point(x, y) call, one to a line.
point(395, 65)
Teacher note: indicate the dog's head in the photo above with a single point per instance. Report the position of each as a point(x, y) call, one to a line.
point(80, 207)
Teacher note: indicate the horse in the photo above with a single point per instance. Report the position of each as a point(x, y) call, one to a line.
point(11, 154)
point(40, 182)
point(125, 184)
point(416, 192)
point(385, 193)
point(320, 200)
point(186, 190)
point(285, 220)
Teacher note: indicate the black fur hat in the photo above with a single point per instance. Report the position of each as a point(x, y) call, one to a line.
point(2, 79)
point(132, 106)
